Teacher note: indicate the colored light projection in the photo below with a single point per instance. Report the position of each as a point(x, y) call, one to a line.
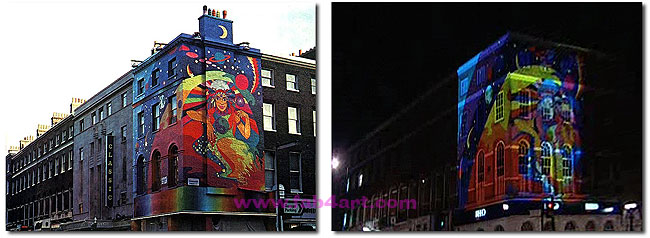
point(519, 122)
point(218, 103)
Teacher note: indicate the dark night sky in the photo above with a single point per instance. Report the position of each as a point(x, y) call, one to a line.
point(384, 55)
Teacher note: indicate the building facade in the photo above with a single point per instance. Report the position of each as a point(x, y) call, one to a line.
point(103, 198)
point(289, 111)
point(520, 141)
point(40, 177)
point(197, 113)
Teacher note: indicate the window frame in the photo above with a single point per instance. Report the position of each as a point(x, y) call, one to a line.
point(270, 78)
point(297, 120)
point(294, 83)
point(547, 157)
point(499, 108)
point(265, 116)
point(298, 172)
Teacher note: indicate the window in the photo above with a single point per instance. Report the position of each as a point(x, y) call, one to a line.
point(70, 160)
point(172, 168)
point(141, 124)
point(547, 109)
point(71, 131)
point(174, 104)
point(109, 108)
point(154, 77)
point(267, 78)
point(155, 117)
point(123, 99)
point(523, 157)
point(570, 226)
point(51, 169)
point(141, 86)
point(101, 114)
point(123, 133)
point(525, 103)
point(81, 154)
point(313, 116)
point(590, 226)
point(499, 107)
point(566, 161)
point(295, 172)
point(94, 118)
point(142, 183)
point(155, 173)
point(481, 166)
point(57, 162)
point(313, 86)
point(269, 120)
point(500, 153)
point(64, 162)
point(609, 226)
point(294, 120)
point(171, 67)
point(360, 180)
point(292, 83)
point(547, 154)
point(269, 169)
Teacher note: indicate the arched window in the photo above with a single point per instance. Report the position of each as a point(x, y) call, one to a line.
point(609, 226)
point(547, 109)
point(570, 226)
point(499, 228)
point(590, 226)
point(567, 156)
point(155, 170)
point(142, 182)
point(172, 168)
point(525, 103)
point(500, 159)
point(523, 157)
point(481, 166)
point(547, 154)
point(527, 226)
point(566, 110)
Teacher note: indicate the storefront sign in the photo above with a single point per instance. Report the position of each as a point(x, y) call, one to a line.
point(109, 170)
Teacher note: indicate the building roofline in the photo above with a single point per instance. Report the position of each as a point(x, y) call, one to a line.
point(90, 103)
point(296, 61)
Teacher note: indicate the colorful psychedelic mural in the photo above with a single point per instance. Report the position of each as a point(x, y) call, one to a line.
point(519, 122)
point(209, 107)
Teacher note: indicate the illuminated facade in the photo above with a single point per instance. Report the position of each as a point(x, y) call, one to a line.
point(520, 121)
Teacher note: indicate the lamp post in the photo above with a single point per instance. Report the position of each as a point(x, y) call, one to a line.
point(278, 219)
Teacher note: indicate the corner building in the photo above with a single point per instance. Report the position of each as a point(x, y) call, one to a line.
point(520, 140)
point(198, 136)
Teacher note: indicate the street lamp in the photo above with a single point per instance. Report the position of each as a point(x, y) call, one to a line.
point(335, 163)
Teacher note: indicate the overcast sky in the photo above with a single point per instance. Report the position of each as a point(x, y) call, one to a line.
point(55, 51)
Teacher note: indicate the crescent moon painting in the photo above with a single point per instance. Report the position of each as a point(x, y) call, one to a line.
point(225, 32)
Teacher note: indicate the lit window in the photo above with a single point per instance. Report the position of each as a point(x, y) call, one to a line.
point(155, 117)
point(294, 120)
point(269, 122)
point(547, 154)
point(499, 108)
point(267, 78)
point(566, 161)
point(523, 157)
point(313, 86)
point(174, 104)
point(500, 159)
point(295, 172)
point(547, 109)
point(360, 180)
point(292, 83)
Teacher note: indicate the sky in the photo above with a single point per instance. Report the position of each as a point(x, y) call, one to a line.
point(385, 55)
point(54, 51)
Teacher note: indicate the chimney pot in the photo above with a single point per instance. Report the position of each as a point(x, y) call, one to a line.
point(205, 9)
point(214, 12)
point(224, 14)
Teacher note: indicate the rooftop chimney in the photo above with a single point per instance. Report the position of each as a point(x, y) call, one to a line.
point(215, 28)
point(25, 141)
point(57, 117)
point(76, 102)
point(41, 129)
point(13, 149)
